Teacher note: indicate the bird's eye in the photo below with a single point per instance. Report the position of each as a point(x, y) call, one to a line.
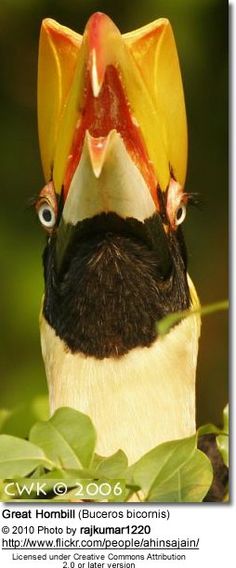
point(46, 215)
point(180, 214)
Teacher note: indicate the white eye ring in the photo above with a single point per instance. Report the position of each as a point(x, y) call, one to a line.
point(46, 215)
point(180, 214)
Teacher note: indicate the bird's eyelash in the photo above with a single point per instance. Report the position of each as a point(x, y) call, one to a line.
point(193, 199)
point(31, 202)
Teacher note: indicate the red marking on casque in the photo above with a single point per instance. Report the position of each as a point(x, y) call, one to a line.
point(95, 29)
point(110, 110)
point(98, 26)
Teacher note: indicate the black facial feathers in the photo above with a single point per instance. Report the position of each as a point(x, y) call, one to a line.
point(115, 279)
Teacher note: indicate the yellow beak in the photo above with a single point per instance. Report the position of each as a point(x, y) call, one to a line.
point(140, 69)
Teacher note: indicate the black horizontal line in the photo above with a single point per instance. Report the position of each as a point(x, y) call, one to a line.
point(90, 548)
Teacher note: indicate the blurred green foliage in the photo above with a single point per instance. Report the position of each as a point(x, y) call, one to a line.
point(200, 28)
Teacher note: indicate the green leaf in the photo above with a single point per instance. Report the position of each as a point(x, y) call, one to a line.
point(19, 457)
point(223, 447)
point(226, 419)
point(188, 484)
point(212, 429)
point(223, 439)
point(162, 462)
point(56, 448)
point(38, 472)
point(97, 460)
point(112, 467)
point(165, 324)
point(68, 438)
point(66, 474)
point(208, 429)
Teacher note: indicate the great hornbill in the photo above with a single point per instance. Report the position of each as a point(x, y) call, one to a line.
point(113, 142)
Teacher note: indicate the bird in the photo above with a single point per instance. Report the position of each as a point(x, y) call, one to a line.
point(113, 142)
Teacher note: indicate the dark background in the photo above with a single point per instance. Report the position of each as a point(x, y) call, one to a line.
point(200, 28)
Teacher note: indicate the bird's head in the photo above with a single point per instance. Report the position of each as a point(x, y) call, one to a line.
point(113, 141)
